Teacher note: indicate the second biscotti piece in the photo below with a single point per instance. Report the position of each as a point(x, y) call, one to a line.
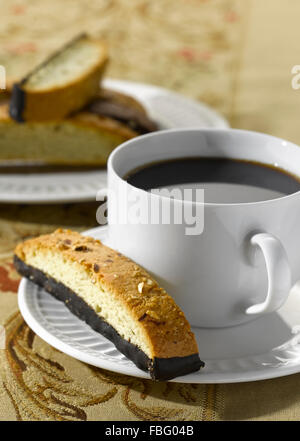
point(62, 84)
point(115, 297)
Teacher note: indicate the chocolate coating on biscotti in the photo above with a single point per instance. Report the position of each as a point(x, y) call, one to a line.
point(17, 103)
point(161, 369)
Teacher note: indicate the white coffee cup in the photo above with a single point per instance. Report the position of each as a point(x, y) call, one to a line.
point(247, 257)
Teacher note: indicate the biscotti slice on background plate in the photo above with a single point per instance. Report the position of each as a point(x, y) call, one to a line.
point(122, 108)
point(83, 139)
point(115, 297)
point(62, 84)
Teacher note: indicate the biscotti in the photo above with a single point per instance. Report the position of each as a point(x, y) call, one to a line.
point(62, 84)
point(84, 139)
point(122, 108)
point(115, 297)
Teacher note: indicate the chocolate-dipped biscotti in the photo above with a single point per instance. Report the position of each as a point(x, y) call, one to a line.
point(57, 115)
point(115, 297)
point(62, 84)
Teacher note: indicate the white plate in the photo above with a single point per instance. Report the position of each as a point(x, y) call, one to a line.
point(167, 108)
point(268, 347)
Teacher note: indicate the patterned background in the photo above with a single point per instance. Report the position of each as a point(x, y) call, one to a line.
point(235, 55)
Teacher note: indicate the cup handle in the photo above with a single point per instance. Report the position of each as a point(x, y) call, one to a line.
point(278, 270)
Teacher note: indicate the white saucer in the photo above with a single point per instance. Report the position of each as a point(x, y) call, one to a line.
point(167, 108)
point(268, 347)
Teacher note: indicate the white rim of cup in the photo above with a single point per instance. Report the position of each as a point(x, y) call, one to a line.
point(136, 140)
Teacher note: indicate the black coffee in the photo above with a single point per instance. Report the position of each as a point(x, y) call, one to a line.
point(240, 180)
